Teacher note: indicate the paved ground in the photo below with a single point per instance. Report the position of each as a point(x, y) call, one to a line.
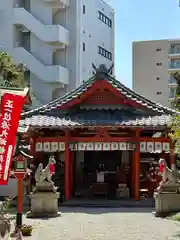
point(104, 224)
point(103, 203)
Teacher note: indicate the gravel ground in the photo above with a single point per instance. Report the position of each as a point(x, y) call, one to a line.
point(104, 224)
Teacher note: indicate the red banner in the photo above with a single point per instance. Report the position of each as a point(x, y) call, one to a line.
point(11, 107)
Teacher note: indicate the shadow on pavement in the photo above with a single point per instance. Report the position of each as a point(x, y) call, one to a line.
point(100, 210)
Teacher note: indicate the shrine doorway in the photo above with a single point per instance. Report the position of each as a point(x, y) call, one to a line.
point(101, 173)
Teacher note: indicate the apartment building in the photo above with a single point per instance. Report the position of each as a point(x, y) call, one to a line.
point(153, 63)
point(57, 41)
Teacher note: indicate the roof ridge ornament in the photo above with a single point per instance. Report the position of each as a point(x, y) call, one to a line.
point(102, 71)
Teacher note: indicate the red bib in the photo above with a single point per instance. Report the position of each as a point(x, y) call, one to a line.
point(161, 167)
point(52, 169)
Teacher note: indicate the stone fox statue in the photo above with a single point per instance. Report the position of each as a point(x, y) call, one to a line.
point(42, 174)
point(169, 177)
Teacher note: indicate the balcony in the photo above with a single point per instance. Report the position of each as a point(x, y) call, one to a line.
point(174, 67)
point(48, 74)
point(63, 3)
point(46, 33)
point(172, 92)
point(171, 96)
point(174, 52)
point(172, 81)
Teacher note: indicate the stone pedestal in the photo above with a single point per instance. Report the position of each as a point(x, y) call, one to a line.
point(170, 187)
point(45, 187)
point(166, 202)
point(122, 191)
point(44, 201)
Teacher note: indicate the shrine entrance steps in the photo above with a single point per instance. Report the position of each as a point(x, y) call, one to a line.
point(107, 203)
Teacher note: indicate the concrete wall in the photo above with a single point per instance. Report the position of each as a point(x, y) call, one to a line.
point(149, 79)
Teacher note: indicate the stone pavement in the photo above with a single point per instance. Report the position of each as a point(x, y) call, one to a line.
point(104, 224)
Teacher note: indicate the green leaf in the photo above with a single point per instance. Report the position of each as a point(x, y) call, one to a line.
point(11, 75)
point(174, 128)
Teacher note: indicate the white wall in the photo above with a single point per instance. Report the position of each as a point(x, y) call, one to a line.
point(6, 28)
point(41, 90)
point(95, 33)
point(73, 22)
point(41, 50)
point(90, 30)
point(41, 11)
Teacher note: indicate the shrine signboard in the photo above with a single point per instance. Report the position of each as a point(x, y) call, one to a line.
point(11, 107)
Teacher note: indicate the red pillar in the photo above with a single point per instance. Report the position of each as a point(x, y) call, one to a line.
point(163, 155)
point(133, 175)
point(20, 200)
point(32, 146)
point(67, 172)
point(137, 167)
point(72, 172)
point(20, 195)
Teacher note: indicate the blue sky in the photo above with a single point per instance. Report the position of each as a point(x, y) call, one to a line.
point(141, 20)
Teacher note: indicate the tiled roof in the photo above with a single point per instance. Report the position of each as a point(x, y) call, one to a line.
point(156, 107)
point(98, 119)
point(49, 115)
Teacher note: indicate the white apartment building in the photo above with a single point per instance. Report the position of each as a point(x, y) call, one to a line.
point(57, 41)
point(153, 63)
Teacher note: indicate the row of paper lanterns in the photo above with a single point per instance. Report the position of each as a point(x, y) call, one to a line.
point(102, 146)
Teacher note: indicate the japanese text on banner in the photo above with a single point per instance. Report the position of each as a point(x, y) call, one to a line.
point(11, 107)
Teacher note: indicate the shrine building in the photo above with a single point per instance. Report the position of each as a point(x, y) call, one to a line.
point(103, 136)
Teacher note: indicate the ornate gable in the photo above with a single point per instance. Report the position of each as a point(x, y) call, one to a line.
point(102, 96)
point(106, 95)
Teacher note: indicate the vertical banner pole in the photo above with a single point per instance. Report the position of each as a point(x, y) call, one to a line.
point(20, 203)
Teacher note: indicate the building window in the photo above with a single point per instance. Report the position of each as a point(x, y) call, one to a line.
point(84, 47)
point(105, 19)
point(103, 52)
point(84, 9)
point(158, 64)
point(159, 93)
point(158, 49)
point(157, 78)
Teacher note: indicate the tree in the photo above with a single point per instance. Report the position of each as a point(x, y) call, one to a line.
point(11, 75)
point(174, 128)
